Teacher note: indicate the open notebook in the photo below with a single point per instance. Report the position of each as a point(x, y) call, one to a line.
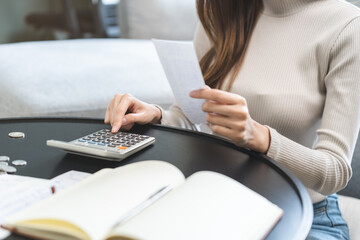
point(149, 200)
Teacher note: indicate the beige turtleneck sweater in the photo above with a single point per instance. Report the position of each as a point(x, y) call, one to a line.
point(301, 78)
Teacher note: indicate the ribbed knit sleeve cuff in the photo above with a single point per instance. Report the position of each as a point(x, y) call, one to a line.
point(162, 113)
point(175, 117)
point(274, 147)
point(166, 116)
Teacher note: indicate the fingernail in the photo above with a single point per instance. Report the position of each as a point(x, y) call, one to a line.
point(114, 129)
point(193, 93)
point(207, 87)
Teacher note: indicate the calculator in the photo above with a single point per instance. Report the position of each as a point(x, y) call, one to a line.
point(105, 144)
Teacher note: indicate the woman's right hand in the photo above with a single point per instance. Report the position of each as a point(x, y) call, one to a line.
point(125, 110)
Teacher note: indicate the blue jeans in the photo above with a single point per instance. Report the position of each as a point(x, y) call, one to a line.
point(328, 223)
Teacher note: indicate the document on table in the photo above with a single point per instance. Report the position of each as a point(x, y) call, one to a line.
point(19, 192)
point(67, 179)
point(182, 69)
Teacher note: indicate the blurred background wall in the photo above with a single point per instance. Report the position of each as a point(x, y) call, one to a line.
point(168, 19)
point(35, 20)
point(12, 14)
point(13, 27)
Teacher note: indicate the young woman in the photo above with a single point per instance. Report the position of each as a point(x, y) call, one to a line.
point(283, 79)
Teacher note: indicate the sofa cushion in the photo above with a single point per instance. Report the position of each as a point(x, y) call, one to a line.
point(350, 209)
point(78, 77)
point(353, 189)
point(162, 19)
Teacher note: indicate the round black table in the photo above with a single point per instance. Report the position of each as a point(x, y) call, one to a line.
point(189, 151)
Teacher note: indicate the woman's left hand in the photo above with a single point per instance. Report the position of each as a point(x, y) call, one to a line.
point(229, 116)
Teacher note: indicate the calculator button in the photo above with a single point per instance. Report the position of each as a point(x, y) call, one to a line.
point(121, 147)
point(81, 140)
point(91, 142)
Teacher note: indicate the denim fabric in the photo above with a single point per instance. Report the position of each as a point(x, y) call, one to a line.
point(328, 223)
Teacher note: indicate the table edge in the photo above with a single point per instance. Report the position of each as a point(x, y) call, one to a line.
point(304, 197)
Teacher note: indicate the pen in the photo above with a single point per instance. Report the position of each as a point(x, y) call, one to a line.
point(156, 195)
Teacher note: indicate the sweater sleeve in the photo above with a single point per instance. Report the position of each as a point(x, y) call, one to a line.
point(175, 117)
point(327, 167)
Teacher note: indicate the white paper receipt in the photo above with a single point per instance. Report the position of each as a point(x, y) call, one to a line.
point(182, 70)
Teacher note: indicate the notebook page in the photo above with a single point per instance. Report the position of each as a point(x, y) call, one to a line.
point(183, 73)
point(98, 202)
point(207, 206)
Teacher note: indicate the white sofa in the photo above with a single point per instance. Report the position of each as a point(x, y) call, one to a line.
point(350, 208)
point(79, 77)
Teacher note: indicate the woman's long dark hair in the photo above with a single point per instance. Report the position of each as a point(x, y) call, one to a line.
point(229, 25)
